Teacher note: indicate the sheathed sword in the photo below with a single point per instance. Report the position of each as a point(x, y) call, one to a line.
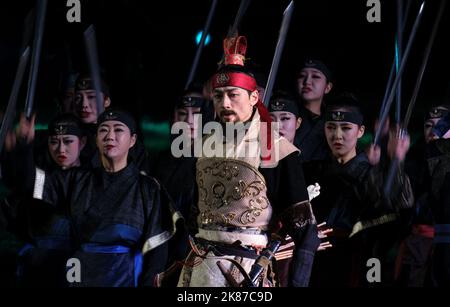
point(35, 58)
point(287, 15)
point(94, 67)
point(201, 44)
point(12, 102)
point(395, 163)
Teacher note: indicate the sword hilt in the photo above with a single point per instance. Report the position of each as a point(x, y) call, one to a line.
point(263, 261)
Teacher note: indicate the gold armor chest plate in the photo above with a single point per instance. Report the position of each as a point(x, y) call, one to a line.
point(231, 193)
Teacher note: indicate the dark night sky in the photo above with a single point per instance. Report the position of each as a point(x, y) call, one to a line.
point(146, 49)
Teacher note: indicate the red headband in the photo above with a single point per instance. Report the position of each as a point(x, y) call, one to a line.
point(237, 79)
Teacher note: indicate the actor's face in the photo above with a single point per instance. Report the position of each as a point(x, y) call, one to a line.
point(234, 104)
point(427, 129)
point(186, 114)
point(428, 133)
point(288, 123)
point(65, 150)
point(114, 140)
point(312, 84)
point(342, 138)
point(86, 105)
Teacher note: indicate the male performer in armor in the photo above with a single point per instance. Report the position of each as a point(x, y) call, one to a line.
point(245, 201)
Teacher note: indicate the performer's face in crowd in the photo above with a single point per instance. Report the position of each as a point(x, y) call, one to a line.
point(186, 114)
point(428, 133)
point(288, 123)
point(86, 105)
point(312, 84)
point(114, 140)
point(234, 104)
point(342, 138)
point(427, 129)
point(65, 150)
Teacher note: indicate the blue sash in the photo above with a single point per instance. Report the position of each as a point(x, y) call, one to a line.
point(116, 249)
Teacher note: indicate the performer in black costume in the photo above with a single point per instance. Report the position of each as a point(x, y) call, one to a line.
point(45, 233)
point(351, 199)
point(414, 257)
point(438, 161)
point(314, 81)
point(121, 219)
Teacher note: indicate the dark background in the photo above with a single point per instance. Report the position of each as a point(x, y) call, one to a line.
point(146, 49)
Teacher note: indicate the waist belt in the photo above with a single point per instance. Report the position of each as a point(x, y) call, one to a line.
point(221, 249)
point(247, 237)
point(423, 230)
point(104, 249)
point(244, 230)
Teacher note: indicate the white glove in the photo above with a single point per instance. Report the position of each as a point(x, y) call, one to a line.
point(313, 191)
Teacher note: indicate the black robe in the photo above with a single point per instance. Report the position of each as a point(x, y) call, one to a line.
point(413, 260)
point(114, 219)
point(310, 137)
point(351, 195)
point(177, 175)
point(438, 154)
point(44, 232)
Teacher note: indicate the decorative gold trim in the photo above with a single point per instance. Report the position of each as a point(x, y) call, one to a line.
point(228, 171)
point(228, 160)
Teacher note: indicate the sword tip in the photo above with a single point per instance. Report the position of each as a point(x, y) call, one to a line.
point(89, 31)
point(289, 7)
point(421, 7)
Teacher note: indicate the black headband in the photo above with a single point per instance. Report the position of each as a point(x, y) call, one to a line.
point(120, 116)
point(340, 116)
point(84, 83)
point(284, 105)
point(190, 101)
point(64, 128)
point(316, 64)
